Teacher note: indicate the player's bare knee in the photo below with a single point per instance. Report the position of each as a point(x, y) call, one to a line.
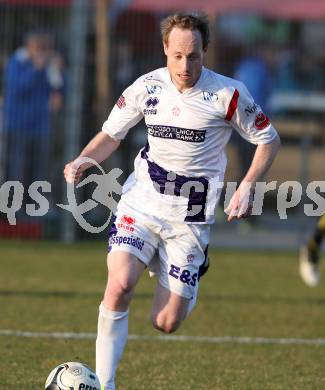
point(118, 290)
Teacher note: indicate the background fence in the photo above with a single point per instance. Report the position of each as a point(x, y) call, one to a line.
point(87, 52)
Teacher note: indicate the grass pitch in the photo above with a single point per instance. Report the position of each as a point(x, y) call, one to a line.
point(50, 287)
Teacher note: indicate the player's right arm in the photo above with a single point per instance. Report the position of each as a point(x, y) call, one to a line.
point(98, 149)
point(124, 115)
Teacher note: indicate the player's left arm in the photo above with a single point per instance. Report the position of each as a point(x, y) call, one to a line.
point(248, 119)
point(262, 161)
point(240, 205)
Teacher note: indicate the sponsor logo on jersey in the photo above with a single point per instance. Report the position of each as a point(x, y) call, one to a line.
point(210, 96)
point(152, 89)
point(187, 135)
point(149, 111)
point(136, 242)
point(121, 102)
point(176, 111)
point(251, 109)
point(151, 104)
point(261, 121)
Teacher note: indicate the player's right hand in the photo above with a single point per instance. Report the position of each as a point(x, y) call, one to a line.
point(72, 172)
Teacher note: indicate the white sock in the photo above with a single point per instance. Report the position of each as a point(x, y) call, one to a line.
point(112, 335)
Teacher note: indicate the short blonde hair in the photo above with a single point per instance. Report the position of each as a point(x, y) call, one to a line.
point(190, 21)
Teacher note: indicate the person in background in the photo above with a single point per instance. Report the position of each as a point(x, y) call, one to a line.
point(33, 84)
point(256, 70)
point(310, 255)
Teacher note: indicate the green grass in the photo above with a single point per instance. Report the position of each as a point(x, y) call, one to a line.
point(46, 287)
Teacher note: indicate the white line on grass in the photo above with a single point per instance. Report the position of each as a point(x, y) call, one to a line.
point(195, 339)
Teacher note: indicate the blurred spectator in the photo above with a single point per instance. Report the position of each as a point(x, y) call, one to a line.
point(143, 41)
point(125, 67)
point(33, 83)
point(256, 70)
point(300, 70)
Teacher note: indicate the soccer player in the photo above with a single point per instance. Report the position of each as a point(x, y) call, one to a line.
point(309, 255)
point(168, 202)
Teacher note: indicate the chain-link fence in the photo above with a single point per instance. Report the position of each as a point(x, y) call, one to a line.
point(65, 63)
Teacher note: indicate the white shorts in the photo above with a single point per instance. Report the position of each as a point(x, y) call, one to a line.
point(182, 248)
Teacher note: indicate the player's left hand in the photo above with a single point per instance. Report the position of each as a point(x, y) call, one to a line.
point(241, 203)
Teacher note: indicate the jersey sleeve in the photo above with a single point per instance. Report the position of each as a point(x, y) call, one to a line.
point(247, 117)
point(124, 115)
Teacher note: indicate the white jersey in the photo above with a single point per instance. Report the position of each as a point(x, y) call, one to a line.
point(187, 136)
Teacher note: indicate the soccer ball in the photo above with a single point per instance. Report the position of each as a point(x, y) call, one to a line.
point(72, 376)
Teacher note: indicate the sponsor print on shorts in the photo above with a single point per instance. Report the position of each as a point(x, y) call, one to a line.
point(125, 223)
point(190, 258)
point(134, 241)
point(185, 276)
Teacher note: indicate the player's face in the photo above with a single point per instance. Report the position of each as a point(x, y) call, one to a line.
point(185, 56)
